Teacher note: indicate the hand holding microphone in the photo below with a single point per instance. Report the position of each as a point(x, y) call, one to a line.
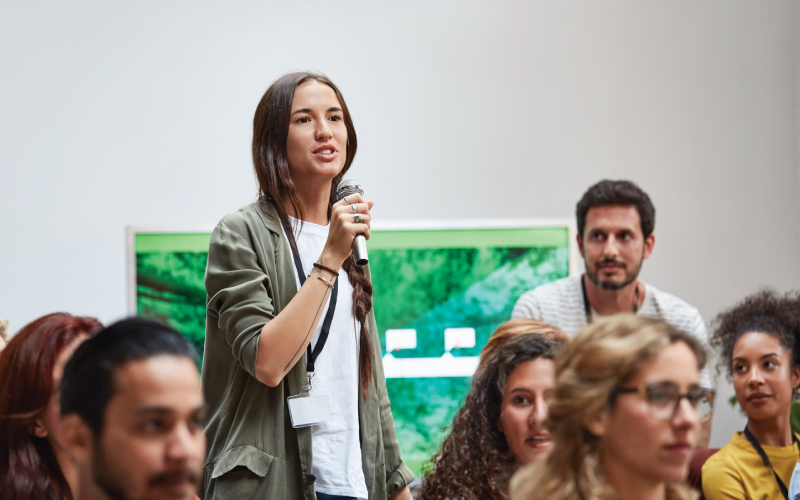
point(349, 216)
point(351, 187)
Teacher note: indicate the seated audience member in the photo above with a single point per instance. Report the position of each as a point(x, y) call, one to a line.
point(3, 333)
point(624, 415)
point(757, 342)
point(794, 488)
point(500, 426)
point(133, 413)
point(34, 462)
point(615, 235)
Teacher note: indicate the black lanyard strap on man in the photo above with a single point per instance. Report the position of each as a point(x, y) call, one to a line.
point(311, 356)
point(587, 308)
point(749, 436)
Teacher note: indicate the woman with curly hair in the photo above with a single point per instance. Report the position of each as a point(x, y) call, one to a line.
point(499, 427)
point(757, 343)
point(34, 460)
point(619, 423)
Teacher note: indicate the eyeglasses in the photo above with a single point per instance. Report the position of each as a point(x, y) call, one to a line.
point(663, 399)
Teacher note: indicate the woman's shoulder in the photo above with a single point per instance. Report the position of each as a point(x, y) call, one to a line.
point(720, 475)
point(250, 214)
point(250, 219)
point(727, 456)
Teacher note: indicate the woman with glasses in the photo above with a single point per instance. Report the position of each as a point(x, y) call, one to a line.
point(757, 342)
point(624, 416)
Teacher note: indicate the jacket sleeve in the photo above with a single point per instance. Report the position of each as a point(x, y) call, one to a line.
point(237, 289)
point(398, 475)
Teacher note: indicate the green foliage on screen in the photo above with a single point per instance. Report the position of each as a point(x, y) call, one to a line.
point(170, 289)
point(433, 289)
point(416, 285)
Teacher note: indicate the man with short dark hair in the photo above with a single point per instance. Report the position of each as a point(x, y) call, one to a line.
point(133, 413)
point(615, 235)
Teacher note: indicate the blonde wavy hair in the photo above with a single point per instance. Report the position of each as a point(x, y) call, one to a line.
point(602, 357)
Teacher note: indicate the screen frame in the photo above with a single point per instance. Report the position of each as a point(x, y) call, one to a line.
point(575, 258)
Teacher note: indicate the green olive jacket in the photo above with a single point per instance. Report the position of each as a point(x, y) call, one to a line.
point(253, 450)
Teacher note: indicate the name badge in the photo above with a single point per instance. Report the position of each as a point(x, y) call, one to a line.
point(306, 410)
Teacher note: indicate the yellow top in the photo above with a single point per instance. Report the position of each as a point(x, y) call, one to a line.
point(737, 471)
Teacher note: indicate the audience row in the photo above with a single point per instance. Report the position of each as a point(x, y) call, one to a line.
point(614, 412)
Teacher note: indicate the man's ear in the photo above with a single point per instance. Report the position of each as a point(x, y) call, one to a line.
point(649, 243)
point(580, 243)
point(78, 437)
point(597, 424)
point(38, 429)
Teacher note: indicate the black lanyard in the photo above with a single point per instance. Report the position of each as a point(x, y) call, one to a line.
point(586, 307)
point(765, 458)
point(311, 356)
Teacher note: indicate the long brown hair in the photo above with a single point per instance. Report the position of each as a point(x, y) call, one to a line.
point(602, 357)
point(271, 163)
point(28, 466)
point(474, 461)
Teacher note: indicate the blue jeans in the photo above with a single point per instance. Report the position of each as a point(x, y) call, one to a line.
point(325, 496)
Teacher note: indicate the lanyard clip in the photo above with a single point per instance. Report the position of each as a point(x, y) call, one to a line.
point(307, 388)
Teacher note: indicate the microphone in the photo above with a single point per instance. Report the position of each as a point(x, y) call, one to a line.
point(346, 188)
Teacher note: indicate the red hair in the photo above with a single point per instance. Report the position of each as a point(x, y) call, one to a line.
point(28, 467)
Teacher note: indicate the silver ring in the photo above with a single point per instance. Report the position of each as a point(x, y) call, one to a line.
point(355, 211)
point(345, 199)
point(357, 219)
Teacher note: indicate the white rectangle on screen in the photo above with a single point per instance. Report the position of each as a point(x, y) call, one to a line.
point(401, 339)
point(455, 338)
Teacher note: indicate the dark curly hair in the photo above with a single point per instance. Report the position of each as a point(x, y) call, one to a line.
point(766, 311)
point(608, 192)
point(474, 460)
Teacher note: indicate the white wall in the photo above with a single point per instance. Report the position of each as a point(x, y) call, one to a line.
point(117, 113)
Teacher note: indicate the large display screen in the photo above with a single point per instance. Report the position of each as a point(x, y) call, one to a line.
point(439, 293)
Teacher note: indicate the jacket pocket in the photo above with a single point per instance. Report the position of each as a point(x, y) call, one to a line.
point(245, 456)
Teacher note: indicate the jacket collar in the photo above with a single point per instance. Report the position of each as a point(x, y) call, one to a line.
point(265, 208)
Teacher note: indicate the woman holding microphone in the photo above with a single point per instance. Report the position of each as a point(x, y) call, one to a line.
point(292, 370)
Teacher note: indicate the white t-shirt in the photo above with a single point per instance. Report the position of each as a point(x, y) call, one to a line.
point(335, 444)
point(560, 304)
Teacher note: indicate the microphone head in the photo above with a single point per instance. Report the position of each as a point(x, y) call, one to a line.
point(348, 187)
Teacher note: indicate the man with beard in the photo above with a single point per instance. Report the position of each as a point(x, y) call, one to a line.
point(133, 414)
point(615, 235)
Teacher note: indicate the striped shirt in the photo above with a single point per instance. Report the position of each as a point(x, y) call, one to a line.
point(560, 304)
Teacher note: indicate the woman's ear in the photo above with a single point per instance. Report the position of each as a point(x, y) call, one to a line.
point(500, 424)
point(596, 424)
point(38, 429)
point(795, 376)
